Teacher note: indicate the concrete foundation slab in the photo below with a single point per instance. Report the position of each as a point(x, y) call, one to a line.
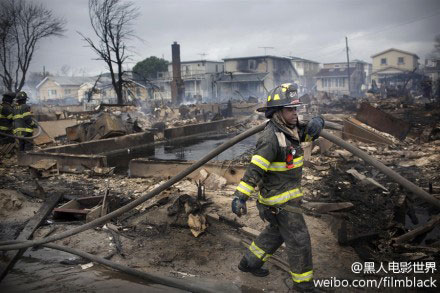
point(105, 145)
point(164, 169)
point(197, 129)
point(65, 162)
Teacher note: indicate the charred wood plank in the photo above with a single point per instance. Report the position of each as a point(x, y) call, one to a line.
point(418, 231)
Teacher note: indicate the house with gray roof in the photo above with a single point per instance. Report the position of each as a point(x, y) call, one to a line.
point(60, 88)
point(306, 69)
point(333, 78)
point(198, 77)
point(254, 76)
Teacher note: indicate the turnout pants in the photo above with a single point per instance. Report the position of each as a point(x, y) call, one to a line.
point(25, 145)
point(290, 228)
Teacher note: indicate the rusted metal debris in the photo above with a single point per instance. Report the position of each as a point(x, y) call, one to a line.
point(353, 130)
point(383, 121)
point(105, 126)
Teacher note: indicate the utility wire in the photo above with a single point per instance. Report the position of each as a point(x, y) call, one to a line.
point(437, 12)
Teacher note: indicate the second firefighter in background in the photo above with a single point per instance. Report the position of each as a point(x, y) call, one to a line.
point(23, 123)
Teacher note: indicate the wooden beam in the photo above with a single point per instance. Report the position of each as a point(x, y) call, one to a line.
point(32, 225)
point(418, 231)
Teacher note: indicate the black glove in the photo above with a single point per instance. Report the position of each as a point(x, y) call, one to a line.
point(267, 213)
point(238, 206)
point(314, 127)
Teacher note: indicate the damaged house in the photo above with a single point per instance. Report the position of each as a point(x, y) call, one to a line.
point(100, 90)
point(254, 76)
point(198, 77)
point(333, 78)
point(306, 69)
point(61, 89)
point(392, 66)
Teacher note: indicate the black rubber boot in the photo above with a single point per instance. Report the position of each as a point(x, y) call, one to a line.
point(258, 272)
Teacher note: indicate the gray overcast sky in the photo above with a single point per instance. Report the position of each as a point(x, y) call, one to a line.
point(311, 29)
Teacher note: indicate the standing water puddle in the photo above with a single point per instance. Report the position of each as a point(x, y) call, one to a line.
point(190, 150)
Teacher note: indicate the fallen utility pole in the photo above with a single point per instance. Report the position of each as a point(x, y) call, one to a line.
point(29, 229)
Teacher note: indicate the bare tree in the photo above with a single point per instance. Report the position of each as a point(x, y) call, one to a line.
point(112, 23)
point(65, 70)
point(23, 24)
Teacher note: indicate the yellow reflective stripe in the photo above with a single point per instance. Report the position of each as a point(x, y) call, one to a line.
point(308, 138)
point(280, 198)
point(304, 277)
point(245, 188)
point(258, 252)
point(17, 116)
point(277, 166)
point(4, 128)
point(260, 162)
point(281, 166)
point(266, 257)
point(23, 129)
point(276, 97)
point(6, 117)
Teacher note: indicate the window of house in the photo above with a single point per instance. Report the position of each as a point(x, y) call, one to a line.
point(160, 74)
point(383, 61)
point(336, 66)
point(340, 82)
point(52, 92)
point(138, 91)
point(67, 91)
point(252, 64)
point(400, 60)
point(216, 68)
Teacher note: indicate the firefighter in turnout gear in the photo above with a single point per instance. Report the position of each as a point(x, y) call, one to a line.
point(23, 123)
point(276, 168)
point(6, 114)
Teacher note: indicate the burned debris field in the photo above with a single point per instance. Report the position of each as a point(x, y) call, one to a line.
point(151, 146)
point(354, 212)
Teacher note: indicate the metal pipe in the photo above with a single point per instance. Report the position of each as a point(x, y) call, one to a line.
point(384, 169)
point(192, 285)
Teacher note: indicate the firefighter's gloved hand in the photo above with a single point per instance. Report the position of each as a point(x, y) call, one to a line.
point(266, 213)
point(314, 127)
point(239, 206)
